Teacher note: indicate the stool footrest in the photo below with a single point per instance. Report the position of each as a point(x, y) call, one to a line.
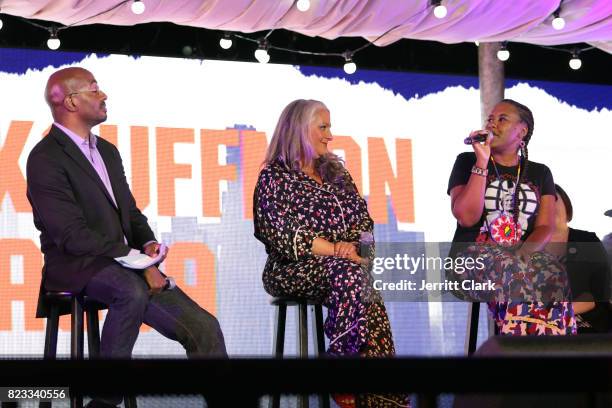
point(292, 301)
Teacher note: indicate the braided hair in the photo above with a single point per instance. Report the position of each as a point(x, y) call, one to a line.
point(527, 118)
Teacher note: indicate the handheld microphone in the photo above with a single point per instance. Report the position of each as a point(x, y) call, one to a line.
point(366, 244)
point(480, 137)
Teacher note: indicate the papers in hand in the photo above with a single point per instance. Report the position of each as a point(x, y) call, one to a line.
point(142, 261)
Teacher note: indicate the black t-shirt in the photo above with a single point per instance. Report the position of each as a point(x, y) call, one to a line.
point(498, 194)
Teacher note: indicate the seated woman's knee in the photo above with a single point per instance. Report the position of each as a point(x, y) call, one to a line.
point(348, 272)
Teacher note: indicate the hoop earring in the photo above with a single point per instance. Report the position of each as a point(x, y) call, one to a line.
point(522, 144)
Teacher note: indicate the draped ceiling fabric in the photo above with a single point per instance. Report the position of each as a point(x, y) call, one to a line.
point(527, 21)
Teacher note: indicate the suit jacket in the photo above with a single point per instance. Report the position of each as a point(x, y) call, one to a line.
point(81, 229)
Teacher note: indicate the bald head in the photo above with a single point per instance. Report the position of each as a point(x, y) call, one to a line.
point(74, 97)
point(61, 83)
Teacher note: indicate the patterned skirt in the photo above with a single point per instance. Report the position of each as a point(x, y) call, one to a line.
point(529, 298)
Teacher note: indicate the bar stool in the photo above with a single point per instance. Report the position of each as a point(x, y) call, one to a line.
point(279, 339)
point(78, 304)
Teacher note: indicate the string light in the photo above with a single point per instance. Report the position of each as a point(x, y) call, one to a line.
point(575, 62)
point(53, 42)
point(263, 45)
point(138, 7)
point(261, 53)
point(349, 66)
point(226, 41)
point(303, 5)
point(503, 54)
point(187, 50)
point(558, 22)
point(440, 10)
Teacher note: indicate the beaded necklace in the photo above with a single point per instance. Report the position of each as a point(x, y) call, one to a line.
point(504, 229)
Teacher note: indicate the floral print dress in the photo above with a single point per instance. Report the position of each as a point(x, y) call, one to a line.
point(290, 211)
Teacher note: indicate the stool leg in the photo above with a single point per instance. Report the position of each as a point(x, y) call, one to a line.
point(51, 342)
point(279, 344)
point(303, 345)
point(279, 340)
point(130, 401)
point(303, 330)
point(51, 333)
point(319, 334)
point(76, 342)
point(93, 332)
point(320, 342)
point(472, 328)
point(76, 326)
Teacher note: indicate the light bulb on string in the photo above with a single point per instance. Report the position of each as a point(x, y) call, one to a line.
point(558, 22)
point(349, 66)
point(303, 5)
point(575, 62)
point(226, 41)
point(138, 7)
point(53, 42)
point(187, 50)
point(261, 53)
point(503, 54)
point(440, 10)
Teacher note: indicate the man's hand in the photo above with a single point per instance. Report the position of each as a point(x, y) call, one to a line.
point(154, 279)
point(152, 250)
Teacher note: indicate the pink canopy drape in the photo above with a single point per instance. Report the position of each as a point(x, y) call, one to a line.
point(527, 21)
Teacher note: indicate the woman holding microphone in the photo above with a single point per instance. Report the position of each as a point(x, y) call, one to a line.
point(505, 208)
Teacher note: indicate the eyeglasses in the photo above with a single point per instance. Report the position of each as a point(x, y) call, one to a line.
point(96, 91)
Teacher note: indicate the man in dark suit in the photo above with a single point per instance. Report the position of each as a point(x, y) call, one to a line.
point(87, 217)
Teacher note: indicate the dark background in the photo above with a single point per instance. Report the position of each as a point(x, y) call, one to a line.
point(166, 39)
